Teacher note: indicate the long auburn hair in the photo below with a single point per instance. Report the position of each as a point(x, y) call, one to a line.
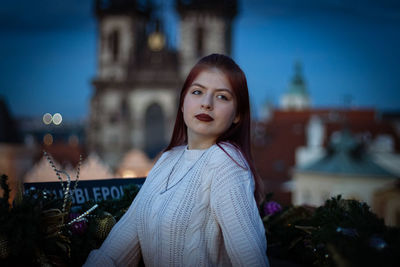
point(239, 133)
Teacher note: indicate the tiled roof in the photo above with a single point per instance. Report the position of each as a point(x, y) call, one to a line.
point(346, 157)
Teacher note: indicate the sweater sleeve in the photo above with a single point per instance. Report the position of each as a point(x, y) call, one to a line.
point(232, 202)
point(121, 247)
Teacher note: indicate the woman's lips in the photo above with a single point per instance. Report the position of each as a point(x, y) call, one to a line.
point(204, 117)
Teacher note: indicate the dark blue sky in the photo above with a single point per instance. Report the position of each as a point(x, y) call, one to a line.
point(347, 48)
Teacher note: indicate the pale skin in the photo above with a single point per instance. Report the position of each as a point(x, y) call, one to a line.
point(210, 95)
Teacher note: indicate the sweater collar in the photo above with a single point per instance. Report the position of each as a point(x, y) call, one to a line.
point(193, 154)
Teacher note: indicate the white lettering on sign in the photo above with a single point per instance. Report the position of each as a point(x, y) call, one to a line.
point(96, 194)
point(80, 199)
point(115, 192)
point(105, 191)
point(86, 194)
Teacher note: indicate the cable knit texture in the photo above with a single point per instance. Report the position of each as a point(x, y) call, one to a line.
point(206, 217)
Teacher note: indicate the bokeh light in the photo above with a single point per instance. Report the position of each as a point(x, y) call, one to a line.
point(57, 118)
point(48, 139)
point(128, 174)
point(47, 118)
point(156, 41)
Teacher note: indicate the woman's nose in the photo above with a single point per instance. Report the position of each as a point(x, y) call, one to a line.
point(206, 103)
point(206, 106)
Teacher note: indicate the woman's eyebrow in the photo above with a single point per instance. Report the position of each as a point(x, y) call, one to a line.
point(219, 89)
point(224, 90)
point(197, 84)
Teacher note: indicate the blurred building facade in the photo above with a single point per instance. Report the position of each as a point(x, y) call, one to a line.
point(296, 134)
point(345, 168)
point(15, 157)
point(297, 138)
point(139, 75)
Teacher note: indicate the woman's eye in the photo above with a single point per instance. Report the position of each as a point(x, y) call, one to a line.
point(222, 97)
point(196, 92)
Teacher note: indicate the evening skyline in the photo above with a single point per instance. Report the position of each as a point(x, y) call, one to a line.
point(49, 52)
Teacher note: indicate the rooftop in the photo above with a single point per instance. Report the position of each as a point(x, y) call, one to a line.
point(346, 157)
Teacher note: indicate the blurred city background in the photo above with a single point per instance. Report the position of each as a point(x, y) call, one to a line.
point(100, 78)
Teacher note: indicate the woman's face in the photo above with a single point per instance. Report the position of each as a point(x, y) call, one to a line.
point(209, 107)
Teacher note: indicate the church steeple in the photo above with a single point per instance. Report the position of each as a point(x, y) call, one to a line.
point(205, 28)
point(121, 27)
point(298, 86)
point(297, 97)
point(135, 86)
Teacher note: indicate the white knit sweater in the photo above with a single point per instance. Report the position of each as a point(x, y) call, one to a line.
point(207, 216)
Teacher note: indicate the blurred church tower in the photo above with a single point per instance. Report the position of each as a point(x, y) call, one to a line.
point(205, 28)
point(138, 79)
point(297, 97)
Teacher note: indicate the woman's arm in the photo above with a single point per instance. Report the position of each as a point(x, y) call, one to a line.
point(121, 247)
point(233, 204)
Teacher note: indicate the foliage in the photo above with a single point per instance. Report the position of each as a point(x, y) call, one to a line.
point(22, 230)
point(34, 232)
point(339, 233)
point(117, 207)
point(83, 244)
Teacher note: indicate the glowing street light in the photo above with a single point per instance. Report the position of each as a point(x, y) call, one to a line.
point(47, 118)
point(48, 139)
point(57, 118)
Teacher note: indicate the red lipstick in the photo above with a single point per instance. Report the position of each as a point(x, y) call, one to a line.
point(204, 117)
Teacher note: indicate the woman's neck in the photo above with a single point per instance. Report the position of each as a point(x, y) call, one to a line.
point(200, 144)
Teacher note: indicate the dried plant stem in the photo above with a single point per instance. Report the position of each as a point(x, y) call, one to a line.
point(54, 168)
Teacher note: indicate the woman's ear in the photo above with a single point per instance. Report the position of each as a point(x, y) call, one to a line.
point(237, 119)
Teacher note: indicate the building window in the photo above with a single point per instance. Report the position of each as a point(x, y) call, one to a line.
point(200, 41)
point(113, 43)
point(114, 117)
point(154, 130)
point(124, 108)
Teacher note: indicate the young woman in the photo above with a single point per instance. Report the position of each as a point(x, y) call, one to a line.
point(197, 206)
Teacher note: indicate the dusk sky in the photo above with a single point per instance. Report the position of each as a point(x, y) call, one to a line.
point(48, 52)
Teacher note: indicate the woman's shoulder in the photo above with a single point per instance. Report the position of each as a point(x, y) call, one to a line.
point(176, 149)
point(231, 167)
point(227, 153)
